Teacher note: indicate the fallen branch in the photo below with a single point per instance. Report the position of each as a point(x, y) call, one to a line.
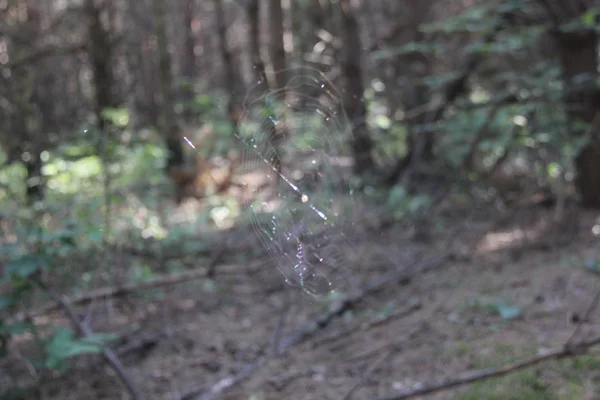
point(400, 277)
point(588, 313)
point(367, 375)
point(573, 350)
point(118, 291)
point(84, 330)
point(412, 307)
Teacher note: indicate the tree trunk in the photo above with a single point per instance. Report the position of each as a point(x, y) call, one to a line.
point(100, 52)
point(277, 49)
point(168, 122)
point(362, 144)
point(35, 186)
point(31, 143)
point(233, 108)
point(259, 76)
point(578, 54)
point(188, 60)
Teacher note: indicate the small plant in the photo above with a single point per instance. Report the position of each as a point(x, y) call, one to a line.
point(401, 204)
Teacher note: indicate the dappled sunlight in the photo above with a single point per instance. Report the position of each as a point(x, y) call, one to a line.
point(515, 236)
point(494, 241)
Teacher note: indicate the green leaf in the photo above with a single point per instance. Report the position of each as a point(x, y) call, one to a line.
point(117, 116)
point(592, 264)
point(18, 328)
point(589, 17)
point(5, 302)
point(23, 267)
point(64, 345)
point(508, 312)
point(504, 310)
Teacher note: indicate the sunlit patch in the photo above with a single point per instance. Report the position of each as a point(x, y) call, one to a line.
point(494, 241)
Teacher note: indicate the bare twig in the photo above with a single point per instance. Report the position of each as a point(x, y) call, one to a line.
point(412, 307)
point(586, 316)
point(401, 277)
point(367, 374)
point(226, 383)
point(479, 375)
point(395, 345)
point(117, 291)
point(285, 308)
point(85, 331)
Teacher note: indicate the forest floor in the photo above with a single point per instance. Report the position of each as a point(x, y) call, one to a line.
point(474, 291)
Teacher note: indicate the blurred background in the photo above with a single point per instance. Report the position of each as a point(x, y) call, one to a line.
point(460, 137)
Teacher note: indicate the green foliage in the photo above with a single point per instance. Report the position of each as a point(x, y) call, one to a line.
point(478, 18)
point(504, 310)
point(63, 345)
point(401, 204)
point(412, 47)
point(117, 116)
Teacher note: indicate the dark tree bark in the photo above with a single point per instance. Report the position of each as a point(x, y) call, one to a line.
point(188, 61)
point(259, 76)
point(168, 121)
point(277, 49)
point(578, 53)
point(31, 142)
point(362, 144)
point(231, 77)
point(100, 52)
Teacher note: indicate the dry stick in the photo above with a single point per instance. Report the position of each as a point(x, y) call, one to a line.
point(402, 277)
point(586, 316)
point(366, 375)
point(285, 308)
point(395, 345)
point(116, 291)
point(412, 307)
point(85, 331)
point(227, 383)
point(574, 350)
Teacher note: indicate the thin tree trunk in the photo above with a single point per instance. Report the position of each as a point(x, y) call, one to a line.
point(231, 77)
point(362, 144)
point(259, 75)
point(277, 49)
point(31, 142)
point(100, 52)
point(578, 53)
point(168, 122)
point(189, 59)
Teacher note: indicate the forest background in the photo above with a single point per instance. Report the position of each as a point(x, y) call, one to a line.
point(458, 150)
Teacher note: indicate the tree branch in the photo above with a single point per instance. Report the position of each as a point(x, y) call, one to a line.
point(573, 350)
point(401, 276)
point(116, 291)
point(85, 331)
